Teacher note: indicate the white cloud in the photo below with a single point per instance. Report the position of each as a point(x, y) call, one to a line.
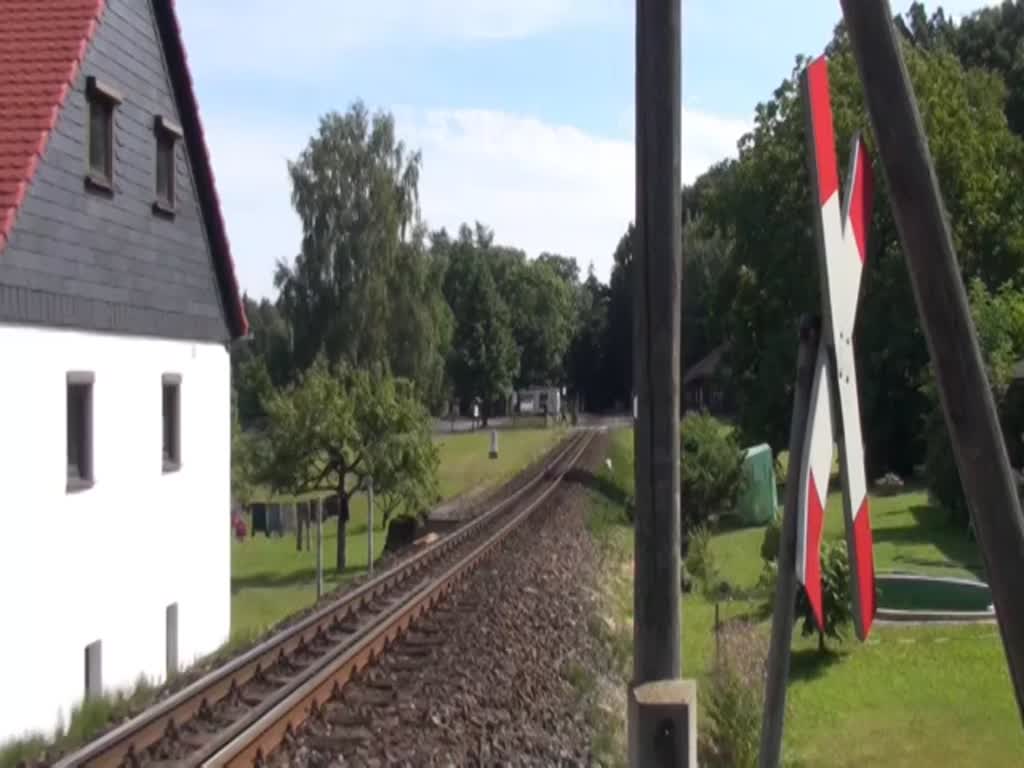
point(313, 35)
point(540, 186)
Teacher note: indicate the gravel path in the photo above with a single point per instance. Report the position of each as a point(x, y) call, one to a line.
point(484, 680)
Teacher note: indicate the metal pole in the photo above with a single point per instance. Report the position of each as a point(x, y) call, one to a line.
point(319, 548)
point(964, 392)
point(774, 713)
point(369, 526)
point(657, 266)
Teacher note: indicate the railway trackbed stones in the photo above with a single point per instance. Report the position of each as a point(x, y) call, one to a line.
point(488, 687)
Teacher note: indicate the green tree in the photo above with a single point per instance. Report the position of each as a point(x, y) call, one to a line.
point(364, 289)
point(564, 266)
point(354, 188)
point(763, 205)
point(999, 320)
point(707, 255)
point(244, 458)
point(586, 356)
point(484, 358)
point(405, 477)
point(542, 322)
point(618, 343)
point(269, 338)
point(420, 332)
point(993, 38)
point(253, 387)
point(335, 428)
point(711, 470)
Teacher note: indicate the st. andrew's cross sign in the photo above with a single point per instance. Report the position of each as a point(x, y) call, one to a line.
point(834, 409)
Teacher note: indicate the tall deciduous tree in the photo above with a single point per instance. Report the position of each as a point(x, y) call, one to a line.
point(999, 319)
point(363, 289)
point(586, 357)
point(244, 458)
point(542, 321)
point(618, 345)
point(764, 206)
point(484, 360)
point(421, 327)
point(354, 188)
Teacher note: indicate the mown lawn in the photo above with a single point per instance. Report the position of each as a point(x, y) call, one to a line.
point(907, 697)
point(270, 579)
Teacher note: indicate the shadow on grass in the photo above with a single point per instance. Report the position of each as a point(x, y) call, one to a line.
point(933, 528)
point(810, 663)
point(295, 578)
point(597, 483)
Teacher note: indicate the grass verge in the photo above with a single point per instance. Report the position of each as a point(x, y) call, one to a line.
point(271, 579)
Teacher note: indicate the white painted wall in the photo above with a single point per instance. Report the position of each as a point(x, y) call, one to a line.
point(104, 563)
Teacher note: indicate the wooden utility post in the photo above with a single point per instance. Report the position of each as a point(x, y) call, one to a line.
point(785, 585)
point(945, 316)
point(661, 707)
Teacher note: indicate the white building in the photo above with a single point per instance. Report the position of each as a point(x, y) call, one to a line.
point(534, 400)
point(118, 301)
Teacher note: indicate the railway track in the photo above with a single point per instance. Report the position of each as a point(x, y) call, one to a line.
point(240, 712)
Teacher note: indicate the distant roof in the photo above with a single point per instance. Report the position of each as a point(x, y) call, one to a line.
point(706, 366)
point(42, 45)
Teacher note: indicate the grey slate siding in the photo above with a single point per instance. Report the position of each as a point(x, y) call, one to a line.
point(82, 259)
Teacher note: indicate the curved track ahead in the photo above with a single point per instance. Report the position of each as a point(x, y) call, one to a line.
point(241, 711)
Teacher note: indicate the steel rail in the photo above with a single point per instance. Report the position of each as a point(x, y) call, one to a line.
point(121, 745)
point(249, 741)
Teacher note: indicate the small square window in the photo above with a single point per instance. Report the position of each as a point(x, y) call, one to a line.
point(102, 102)
point(79, 431)
point(171, 422)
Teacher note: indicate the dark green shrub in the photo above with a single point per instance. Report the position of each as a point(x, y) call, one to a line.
point(711, 471)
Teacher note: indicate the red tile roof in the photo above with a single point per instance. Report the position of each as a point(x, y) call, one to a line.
point(42, 44)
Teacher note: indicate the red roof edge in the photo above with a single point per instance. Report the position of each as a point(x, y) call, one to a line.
point(188, 107)
point(7, 222)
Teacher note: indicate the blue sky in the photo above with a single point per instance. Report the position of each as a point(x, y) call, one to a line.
point(523, 108)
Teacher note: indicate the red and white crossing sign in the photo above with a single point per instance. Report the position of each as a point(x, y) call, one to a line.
point(834, 408)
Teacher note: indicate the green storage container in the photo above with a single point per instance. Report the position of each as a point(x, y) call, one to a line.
point(759, 499)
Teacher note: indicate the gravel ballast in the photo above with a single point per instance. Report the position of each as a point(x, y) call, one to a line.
point(486, 678)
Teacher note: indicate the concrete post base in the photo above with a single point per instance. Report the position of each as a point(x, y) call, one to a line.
point(662, 724)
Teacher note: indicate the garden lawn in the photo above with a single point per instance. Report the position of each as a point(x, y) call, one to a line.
point(270, 579)
point(907, 697)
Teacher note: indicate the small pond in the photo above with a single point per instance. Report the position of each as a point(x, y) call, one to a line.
point(917, 597)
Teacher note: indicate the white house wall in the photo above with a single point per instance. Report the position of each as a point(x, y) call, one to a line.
point(104, 563)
